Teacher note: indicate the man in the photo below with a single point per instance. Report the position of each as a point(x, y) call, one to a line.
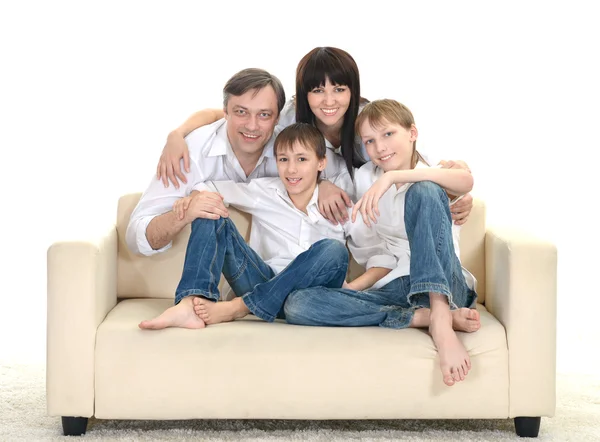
point(237, 148)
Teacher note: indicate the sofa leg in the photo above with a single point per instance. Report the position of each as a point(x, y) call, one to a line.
point(527, 426)
point(74, 426)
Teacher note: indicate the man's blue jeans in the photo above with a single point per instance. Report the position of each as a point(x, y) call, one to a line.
point(434, 267)
point(215, 247)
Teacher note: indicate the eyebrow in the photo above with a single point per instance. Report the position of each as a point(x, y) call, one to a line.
point(239, 106)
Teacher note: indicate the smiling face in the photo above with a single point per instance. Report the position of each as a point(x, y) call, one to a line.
point(329, 103)
point(251, 119)
point(298, 168)
point(390, 146)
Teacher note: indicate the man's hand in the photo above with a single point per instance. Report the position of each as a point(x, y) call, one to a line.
point(208, 205)
point(333, 202)
point(168, 167)
point(461, 209)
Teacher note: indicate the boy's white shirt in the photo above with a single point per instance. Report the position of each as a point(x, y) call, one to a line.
point(280, 232)
point(389, 234)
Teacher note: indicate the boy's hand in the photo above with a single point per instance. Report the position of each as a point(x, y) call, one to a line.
point(368, 205)
point(169, 167)
point(208, 205)
point(333, 202)
point(180, 206)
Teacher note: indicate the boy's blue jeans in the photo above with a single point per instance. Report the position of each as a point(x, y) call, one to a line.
point(434, 267)
point(215, 247)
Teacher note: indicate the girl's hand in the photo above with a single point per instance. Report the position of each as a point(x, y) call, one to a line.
point(169, 167)
point(368, 205)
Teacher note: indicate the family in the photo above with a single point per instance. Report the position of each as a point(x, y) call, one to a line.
point(320, 174)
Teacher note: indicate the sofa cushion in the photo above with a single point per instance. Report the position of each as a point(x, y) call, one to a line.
point(288, 372)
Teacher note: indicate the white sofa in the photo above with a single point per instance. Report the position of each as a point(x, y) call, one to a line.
point(99, 363)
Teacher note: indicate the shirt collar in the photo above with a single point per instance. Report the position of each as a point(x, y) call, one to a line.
point(221, 145)
point(312, 208)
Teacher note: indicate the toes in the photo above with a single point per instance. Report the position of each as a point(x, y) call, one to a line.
point(456, 375)
point(447, 375)
point(448, 380)
point(468, 364)
point(196, 301)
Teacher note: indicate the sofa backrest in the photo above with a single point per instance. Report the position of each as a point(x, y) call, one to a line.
point(157, 276)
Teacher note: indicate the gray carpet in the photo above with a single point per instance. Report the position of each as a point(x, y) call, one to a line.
point(23, 417)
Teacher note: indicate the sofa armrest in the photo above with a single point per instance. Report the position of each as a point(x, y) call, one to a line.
point(521, 294)
point(82, 289)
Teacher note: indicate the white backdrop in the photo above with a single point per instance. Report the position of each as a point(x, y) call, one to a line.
point(90, 91)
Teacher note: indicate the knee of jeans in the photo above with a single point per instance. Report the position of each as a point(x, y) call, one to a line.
point(290, 307)
point(425, 190)
point(333, 250)
point(295, 307)
point(199, 223)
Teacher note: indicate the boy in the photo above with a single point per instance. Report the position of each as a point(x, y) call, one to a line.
point(292, 246)
point(423, 280)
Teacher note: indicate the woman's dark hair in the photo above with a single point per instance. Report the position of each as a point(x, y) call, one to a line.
point(341, 69)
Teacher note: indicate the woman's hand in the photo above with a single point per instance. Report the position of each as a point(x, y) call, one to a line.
point(169, 167)
point(333, 202)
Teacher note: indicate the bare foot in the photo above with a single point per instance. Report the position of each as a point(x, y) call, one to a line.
point(215, 312)
point(454, 359)
point(180, 315)
point(466, 320)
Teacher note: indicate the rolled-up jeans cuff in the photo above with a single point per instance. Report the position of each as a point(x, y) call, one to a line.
point(398, 318)
point(196, 292)
point(430, 287)
point(256, 310)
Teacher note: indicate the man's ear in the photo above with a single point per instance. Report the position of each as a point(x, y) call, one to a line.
point(226, 115)
point(414, 133)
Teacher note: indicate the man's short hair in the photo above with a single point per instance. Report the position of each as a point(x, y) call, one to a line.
point(253, 78)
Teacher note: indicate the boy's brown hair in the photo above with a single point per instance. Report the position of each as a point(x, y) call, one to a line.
point(380, 112)
point(306, 134)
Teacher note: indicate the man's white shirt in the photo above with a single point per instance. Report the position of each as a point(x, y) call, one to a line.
point(280, 231)
point(211, 158)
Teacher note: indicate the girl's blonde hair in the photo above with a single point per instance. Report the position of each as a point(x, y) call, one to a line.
point(380, 112)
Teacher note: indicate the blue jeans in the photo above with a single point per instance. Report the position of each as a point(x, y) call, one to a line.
point(215, 247)
point(434, 267)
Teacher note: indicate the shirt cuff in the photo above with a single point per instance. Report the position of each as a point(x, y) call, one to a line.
point(202, 187)
point(385, 261)
point(141, 240)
